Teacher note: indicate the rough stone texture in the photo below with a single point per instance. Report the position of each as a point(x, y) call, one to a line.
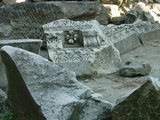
point(32, 45)
point(5, 30)
point(3, 98)
point(79, 10)
point(40, 83)
point(26, 19)
point(133, 69)
point(125, 37)
point(113, 10)
point(142, 104)
point(81, 47)
point(140, 11)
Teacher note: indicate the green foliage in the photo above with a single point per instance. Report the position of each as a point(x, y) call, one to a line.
point(7, 116)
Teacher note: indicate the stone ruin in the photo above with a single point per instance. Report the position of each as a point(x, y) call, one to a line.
point(48, 89)
point(79, 46)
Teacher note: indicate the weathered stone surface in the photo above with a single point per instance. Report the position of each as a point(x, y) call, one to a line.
point(32, 45)
point(5, 30)
point(56, 90)
point(81, 47)
point(80, 10)
point(27, 18)
point(122, 34)
point(102, 16)
point(3, 98)
point(3, 77)
point(132, 69)
point(140, 11)
point(142, 104)
point(117, 20)
point(113, 10)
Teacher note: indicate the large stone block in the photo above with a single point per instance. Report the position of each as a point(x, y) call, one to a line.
point(27, 18)
point(81, 47)
point(32, 45)
point(142, 104)
point(40, 90)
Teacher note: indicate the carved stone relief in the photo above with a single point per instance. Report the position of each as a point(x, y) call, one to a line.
point(75, 45)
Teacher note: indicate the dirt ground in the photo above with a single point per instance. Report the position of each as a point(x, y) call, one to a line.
point(113, 87)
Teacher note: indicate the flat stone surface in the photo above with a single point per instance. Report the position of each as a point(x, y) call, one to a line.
point(56, 90)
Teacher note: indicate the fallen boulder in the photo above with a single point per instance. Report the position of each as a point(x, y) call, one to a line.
point(142, 104)
point(47, 91)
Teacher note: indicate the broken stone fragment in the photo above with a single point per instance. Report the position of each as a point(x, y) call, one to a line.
point(142, 104)
point(132, 69)
point(47, 91)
